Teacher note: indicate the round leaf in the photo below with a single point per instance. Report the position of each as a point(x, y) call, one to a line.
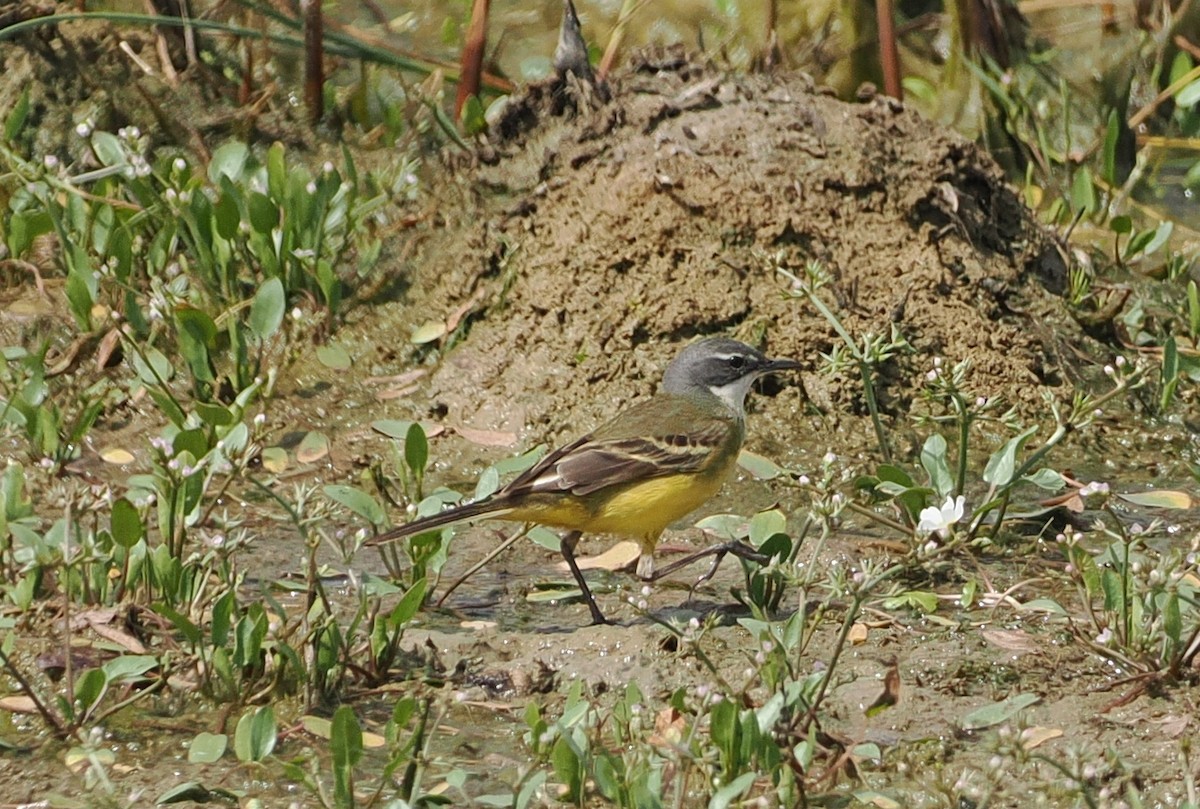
point(207, 748)
point(266, 312)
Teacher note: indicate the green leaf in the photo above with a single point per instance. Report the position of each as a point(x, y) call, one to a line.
point(876, 800)
point(1162, 234)
point(227, 216)
point(207, 748)
point(766, 524)
point(529, 790)
point(473, 120)
point(488, 483)
point(168, 406)
point(1172, 620)
point(921, 600)
point(392, 428)
point(727, 794)
point(264, 214)
point(267, 309)
point(416, 449)
point(1163, 498)
point(128, 667)
point(108, 148)
point(229, 160)
point(15, 121)
point(894, 474)
point(1193, 298)
point(1083, 191)
point(1003, 464)
point(568, 769)
point(725, 526)
point(1121, 224)
point(89, 690)
point(126, 526)
point(1189, 94)
point(1170, 373)
point(255, 736)
point(346, 742)
point(1044, 605)
point(276, 172)
point(999, 712)
point(358, 501)
point(759, 466)
point(194, 442)
point(1046, 478)
point(215, 415)
point(335, 357)
point(933, 459)
point(407, 607)
point(187, 792)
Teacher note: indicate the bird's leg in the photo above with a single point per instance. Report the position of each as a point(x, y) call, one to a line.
point(567, 545)
point(738, 549)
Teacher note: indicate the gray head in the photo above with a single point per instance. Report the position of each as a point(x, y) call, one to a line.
point(721, 367)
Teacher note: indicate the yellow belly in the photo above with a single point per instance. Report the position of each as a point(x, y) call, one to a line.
point(640, 510)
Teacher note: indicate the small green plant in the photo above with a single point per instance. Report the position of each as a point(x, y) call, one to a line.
point(53, 415)
point(874, 351)
point(1140, 599)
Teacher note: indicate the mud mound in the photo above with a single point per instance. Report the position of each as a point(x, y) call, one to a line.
point(630, 229)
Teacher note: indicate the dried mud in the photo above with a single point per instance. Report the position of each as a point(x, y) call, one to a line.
point(580, 252)
point(623, 232)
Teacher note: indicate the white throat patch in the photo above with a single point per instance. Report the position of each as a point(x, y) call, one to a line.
point(734, 393)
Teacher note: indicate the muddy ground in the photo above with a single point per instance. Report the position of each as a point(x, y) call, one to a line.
point(572, 257)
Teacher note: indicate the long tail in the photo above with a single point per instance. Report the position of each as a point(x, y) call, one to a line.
point(492, 507)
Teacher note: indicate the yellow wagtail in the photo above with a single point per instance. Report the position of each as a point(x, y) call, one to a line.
point(648, 467)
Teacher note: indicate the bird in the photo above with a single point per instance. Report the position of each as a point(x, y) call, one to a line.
point(651, 465)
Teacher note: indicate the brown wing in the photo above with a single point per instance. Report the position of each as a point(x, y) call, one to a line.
point(592, 463)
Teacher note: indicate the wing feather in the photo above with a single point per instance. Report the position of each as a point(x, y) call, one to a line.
point(591, 464)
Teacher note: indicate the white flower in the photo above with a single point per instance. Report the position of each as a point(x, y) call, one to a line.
point(940, 520)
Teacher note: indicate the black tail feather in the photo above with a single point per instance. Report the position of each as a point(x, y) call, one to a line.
point(468, 511)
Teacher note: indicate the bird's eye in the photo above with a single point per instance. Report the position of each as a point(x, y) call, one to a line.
point(737, 362)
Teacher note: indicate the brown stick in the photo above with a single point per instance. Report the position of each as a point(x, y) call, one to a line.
point(889, 53)
point(472, 56)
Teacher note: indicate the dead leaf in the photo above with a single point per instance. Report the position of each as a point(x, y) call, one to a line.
point(1173, 725)
point(1037, 735)
point(123, 639)
point(397, 379)
point(108, 353)
point(97, 615)
point(18, 705)
point(390, 394)
point(669, 725)
point(1012, 640)
point(1071, 501)
point(618, 557)
point(275, 459)
point(427, 332)
point(464, 307)
point(858, 633)
point(116, 455)
point(1160, 498)
point(313, 447)
point(487, 438)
